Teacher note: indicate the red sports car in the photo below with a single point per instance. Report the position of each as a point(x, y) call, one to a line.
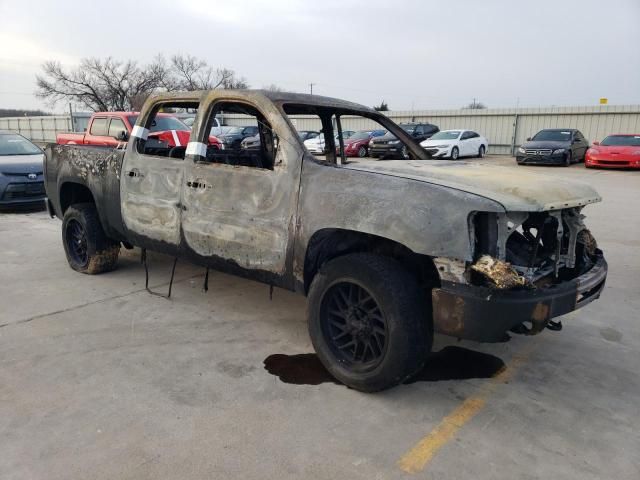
point(357, 145)
point(615, 151)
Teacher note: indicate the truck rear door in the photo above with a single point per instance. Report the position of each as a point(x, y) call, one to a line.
point(98, 132)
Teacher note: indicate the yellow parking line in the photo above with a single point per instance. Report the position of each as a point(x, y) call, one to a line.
point(416, 459)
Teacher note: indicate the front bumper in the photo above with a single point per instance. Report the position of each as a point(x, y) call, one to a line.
point(20, 192)
point(438, 152)
point(385, 150)
point(558, 159)
point(607, 163)
point(485, 315)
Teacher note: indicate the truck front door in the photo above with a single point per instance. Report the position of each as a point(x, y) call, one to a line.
point(240, 204)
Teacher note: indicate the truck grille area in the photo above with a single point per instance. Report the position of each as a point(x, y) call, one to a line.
point(543, 247)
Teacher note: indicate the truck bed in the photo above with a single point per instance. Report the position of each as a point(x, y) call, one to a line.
point(95, 168)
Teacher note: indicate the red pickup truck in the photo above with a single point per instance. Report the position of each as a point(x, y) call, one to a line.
point(113, 128)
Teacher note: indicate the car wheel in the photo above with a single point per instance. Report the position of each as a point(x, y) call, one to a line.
point(481, 151)
point(567, 159)
point(369, 321)
point(455, 153)
point(362, 151)
point(87, 247)
point(404, 153)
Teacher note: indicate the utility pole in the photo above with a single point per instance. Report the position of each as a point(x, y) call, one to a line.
point(73, 127)
point(311, 86)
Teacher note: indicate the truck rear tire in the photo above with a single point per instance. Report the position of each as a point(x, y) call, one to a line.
point(87, 247)
point(369, 321)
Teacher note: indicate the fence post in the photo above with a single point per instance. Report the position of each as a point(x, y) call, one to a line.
point(515, 134)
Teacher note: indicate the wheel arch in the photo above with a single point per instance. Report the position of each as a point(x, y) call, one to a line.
point(329, 243)
point(73, 192)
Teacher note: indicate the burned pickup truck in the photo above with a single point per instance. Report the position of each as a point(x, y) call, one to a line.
point(387, 253)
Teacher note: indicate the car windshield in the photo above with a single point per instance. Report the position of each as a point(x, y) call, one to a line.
point(408, 128)
point(162, 124)
point(360, 136)
point(446, 135)
point(235, 131)
point(621, 141)
point(553, 135)
point(12, 144)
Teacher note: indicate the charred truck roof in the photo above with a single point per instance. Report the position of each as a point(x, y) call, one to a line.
point(386, 252)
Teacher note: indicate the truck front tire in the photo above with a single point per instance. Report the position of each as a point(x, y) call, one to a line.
point(87, 247)
point(369, 321)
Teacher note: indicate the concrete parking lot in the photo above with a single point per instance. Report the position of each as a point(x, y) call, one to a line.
point(99, 379)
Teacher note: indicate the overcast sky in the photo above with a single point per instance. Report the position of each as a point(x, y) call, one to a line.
point(420, 54)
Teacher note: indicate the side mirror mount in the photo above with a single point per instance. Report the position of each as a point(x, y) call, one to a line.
point(123, 136)
point(528, 139)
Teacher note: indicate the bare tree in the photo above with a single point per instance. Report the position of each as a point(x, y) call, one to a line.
point(383, 107)
point(273, 88)
point(110, 84)
point(190, 73)
point(475, 105)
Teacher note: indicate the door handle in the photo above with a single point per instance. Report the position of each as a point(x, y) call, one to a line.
point(134, 172)
point(195, 184)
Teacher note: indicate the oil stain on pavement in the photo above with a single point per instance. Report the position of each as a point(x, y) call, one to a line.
point(450, 363)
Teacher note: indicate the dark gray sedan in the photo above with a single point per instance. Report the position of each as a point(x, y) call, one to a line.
point(21, 165)
point(553, 146)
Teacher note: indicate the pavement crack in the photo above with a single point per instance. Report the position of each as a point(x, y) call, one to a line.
point(93, 302)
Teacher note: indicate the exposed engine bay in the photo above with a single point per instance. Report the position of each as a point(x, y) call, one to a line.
point(530, 249)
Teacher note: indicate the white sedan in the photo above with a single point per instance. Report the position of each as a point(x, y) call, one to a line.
point(454, 144)
point(316, 145)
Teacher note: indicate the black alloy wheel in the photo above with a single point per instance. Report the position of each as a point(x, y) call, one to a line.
point(355, 328)
point(76, 237)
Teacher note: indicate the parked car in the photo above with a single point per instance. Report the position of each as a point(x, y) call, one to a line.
point(307, 134)
point(316, 145)
point(221, 130)
point(21, 167)
point(189, 118)
point(386, 253)
point(553, 146)
point(250, 143)
point(234, 136)
point(615, 151)
point(454, 144)
point(388, 146)
point(357, 145)
point(114, 128)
